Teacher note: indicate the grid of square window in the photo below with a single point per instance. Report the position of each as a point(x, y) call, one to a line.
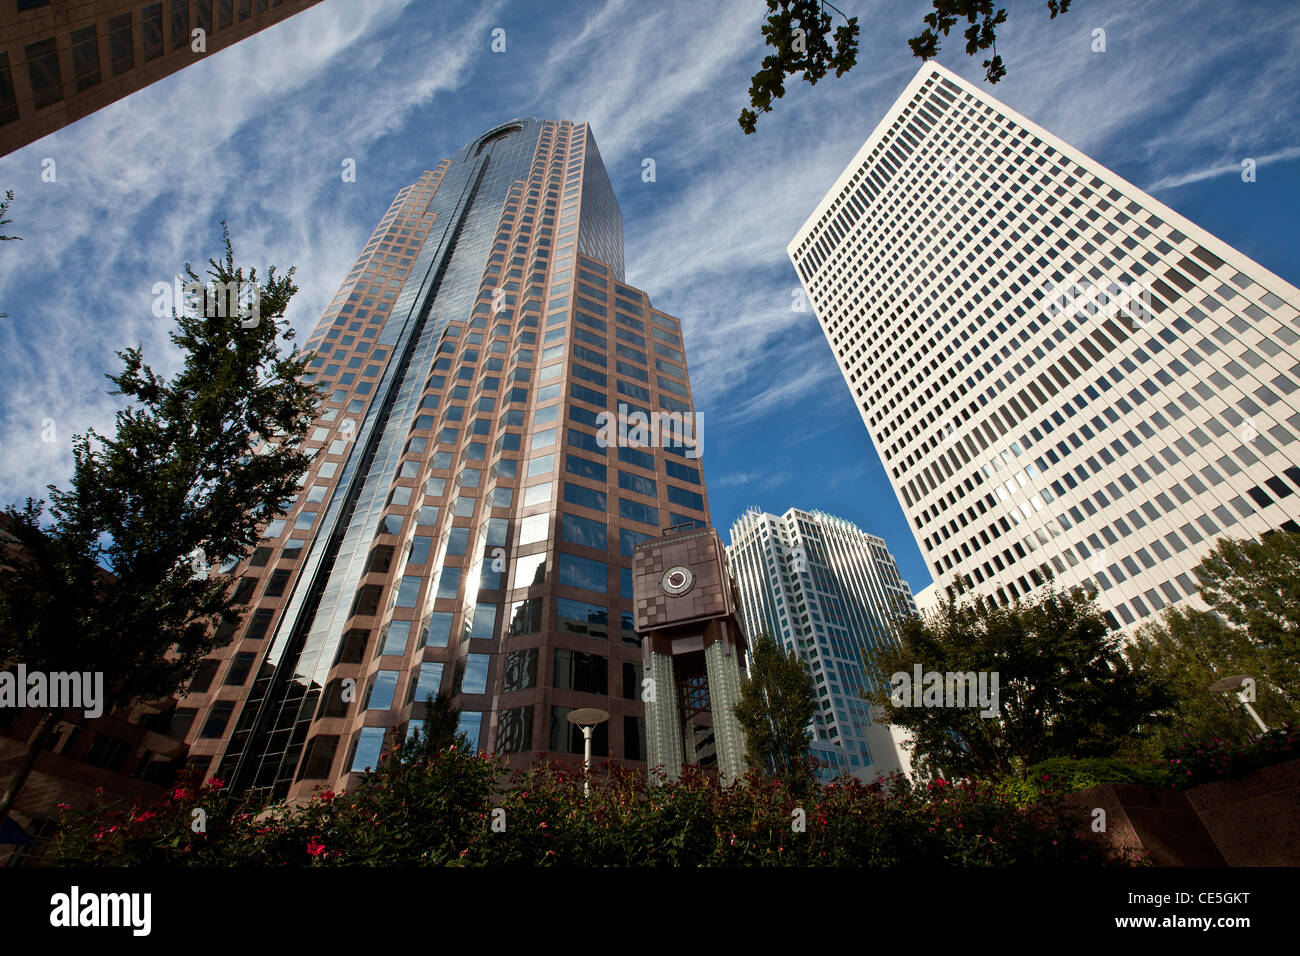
point(1063, 377)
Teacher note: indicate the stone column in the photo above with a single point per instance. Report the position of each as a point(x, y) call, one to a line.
point(663, 719)
point(724, 694)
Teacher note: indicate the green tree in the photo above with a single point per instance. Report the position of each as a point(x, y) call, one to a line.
point(1063, 686)
point(801, 33)
point(1252, 627)
point(440, 730)
point(1255, 587)
point(120, 581)
point(777, 702)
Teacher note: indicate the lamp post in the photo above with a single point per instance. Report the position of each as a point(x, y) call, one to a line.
point(1245, 687)
point(587, 718)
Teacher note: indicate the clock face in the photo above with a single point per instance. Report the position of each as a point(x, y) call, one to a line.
point(678, 580)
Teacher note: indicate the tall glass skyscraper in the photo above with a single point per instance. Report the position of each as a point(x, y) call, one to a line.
point(1061, 375)
point(825, 589)
point(467, 525)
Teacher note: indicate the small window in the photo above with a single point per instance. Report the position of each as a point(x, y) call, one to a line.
point(240, 665)
point(43, 72)
point(151, 31)
point(218, 717)
point(180, 23)
point(85, 57)
point(121, 56)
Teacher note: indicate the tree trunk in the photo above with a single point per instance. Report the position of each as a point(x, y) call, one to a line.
point(44, 730)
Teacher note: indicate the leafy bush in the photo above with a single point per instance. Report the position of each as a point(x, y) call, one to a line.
point(1063, 775)
point(409, 812)
point(447, 809)
point(1195, 763)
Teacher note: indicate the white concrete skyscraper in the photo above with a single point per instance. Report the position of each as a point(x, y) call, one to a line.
point(1058, 372)
point(825, 589)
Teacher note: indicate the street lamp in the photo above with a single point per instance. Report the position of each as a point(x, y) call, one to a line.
point(1245, 686)
point(587, 718)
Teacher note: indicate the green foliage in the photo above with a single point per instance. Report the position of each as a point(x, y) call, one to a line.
point(983, 18)
point(415, 812)
point(447, 810)
point(179, 481)
point(1253, 628)
point(777, 702)
point(1064, 775)
point(4, 208)
point(800, 32)
point(1064, 688)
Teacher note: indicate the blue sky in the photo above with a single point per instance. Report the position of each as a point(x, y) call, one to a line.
point(257, 134)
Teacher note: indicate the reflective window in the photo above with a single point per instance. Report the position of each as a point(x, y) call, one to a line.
point(485, 619)
point(382, 689)
point(425, 682)
point(583, 531)
point(533, 529)
point(369, 746)
point(476, 674)
point(449, 583)
point(392, 640)
point(579, 617)
point(437, 629)
point(529, 570)
point(583, 573)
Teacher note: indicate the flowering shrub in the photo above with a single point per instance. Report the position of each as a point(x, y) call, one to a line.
point(450, 809)
point(406, 813)
point(695, 821)
point(1195, 763)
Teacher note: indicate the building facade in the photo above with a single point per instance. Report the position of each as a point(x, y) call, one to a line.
point(826, 590)
point(61, 60)
point(1061, 375)
point(469, 521)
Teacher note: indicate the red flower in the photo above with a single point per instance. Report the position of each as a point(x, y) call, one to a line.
point(315, 847)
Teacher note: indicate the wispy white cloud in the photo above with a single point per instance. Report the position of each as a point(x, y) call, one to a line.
point(256, 135)
point(1220, 169)
point(753, 480)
